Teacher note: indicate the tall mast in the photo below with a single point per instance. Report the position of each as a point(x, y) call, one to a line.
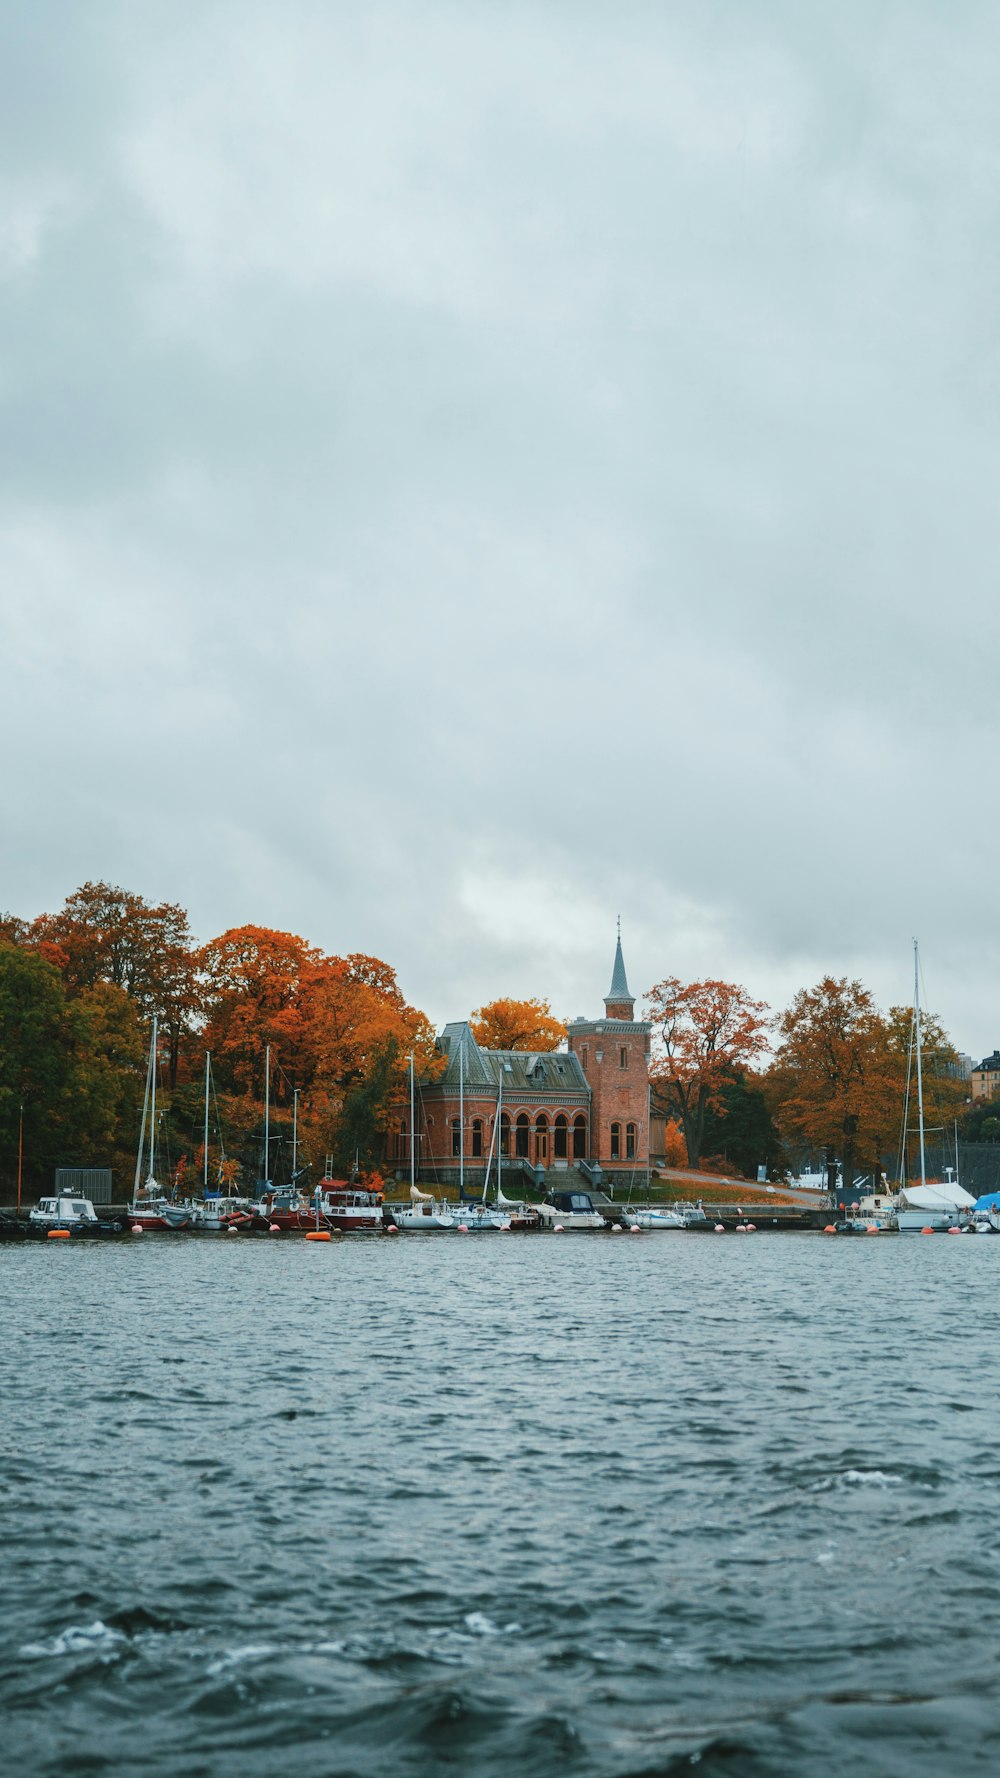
point(500, 1137)
point(413, 1132)
point(461, 1116)
point(920, 1075)
point(267, 1115)
point(204, 1171)
point(152, 1112)
point(20, 1152)
point(295, 1132)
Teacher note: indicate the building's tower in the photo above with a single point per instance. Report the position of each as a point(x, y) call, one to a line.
point(614, 1055)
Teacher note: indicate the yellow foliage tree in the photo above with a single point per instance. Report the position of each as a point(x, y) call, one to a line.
point(517, 1025)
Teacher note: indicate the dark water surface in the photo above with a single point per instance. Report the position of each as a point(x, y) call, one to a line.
point(501, 1505)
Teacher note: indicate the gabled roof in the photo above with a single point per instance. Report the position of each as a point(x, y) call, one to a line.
point(524, 1071)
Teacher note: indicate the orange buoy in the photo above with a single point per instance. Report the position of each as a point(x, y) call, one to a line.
point(927, 1231)
point(829, 1230)
point(59, 1234)
point(318, 1235)
point(871, 1229)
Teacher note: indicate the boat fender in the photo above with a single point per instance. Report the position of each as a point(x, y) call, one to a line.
point(137, 1228)
point(317, 1235)
point(616, 1228)
point(233, 1230)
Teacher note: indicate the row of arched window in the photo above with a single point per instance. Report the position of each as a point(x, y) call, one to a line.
point(568, 1138)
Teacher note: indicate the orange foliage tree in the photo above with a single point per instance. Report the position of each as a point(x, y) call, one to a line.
point(335, 1025)
point(838, 1080)
point(517, 1025)
point(107, 934)
point(703, 1031)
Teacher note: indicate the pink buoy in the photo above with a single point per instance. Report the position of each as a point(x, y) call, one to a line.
point(634, 1229)
point(954, 1230)
point(273, 1228)
point(137, 1228)
point(720, 1228)
point(616, 1228)
point(751, 1228)
point(559, 1230)
point(741, 1228)
point(463, 1228)
point(392, 1229)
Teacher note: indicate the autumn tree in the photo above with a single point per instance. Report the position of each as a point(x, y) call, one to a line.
point(331, 1023)
point(517, 1025)
point(703, 1032)
point(108, 934)
point(839, 1076)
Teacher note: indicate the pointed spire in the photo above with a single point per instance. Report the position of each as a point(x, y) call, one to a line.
point(618, 1002)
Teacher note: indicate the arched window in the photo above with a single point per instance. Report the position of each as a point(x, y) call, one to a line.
point(541, 1137)
point(579, 1137)
point(505, 1134)
point(616, 1142)
point(477, 1137)
point(559, 1138)
point(521, 1135)
point(456, 1136)
point(630, 1142)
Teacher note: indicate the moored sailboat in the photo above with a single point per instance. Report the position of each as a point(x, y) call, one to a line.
point(150, 1207)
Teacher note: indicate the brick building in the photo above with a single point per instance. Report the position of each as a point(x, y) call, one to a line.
point(583, 1108)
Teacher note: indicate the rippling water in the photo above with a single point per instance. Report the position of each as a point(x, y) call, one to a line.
point(501, 1504)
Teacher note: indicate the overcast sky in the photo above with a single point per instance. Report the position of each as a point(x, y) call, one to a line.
point(471, 470)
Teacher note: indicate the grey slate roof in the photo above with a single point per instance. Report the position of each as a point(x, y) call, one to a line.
point(525, 1071)
point(619, 982)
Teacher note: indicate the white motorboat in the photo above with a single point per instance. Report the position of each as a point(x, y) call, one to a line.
point(570, 1210)
point(422, 1215)
point(658, 1216)
point(67, 1211)
point(939, 1207)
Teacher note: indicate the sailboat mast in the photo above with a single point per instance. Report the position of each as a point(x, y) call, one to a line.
point(295, 1132)
point(920, 1074)
point(204, 1170)
point(500, 1137)
point(267, 1114)
point(413, 1132)
point(461, 1116)
point(152, 1110)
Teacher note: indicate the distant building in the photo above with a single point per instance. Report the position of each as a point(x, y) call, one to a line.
point(985, 1078)
point(584, 1107)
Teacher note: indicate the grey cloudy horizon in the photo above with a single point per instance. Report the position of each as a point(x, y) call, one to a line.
point(471, 471)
